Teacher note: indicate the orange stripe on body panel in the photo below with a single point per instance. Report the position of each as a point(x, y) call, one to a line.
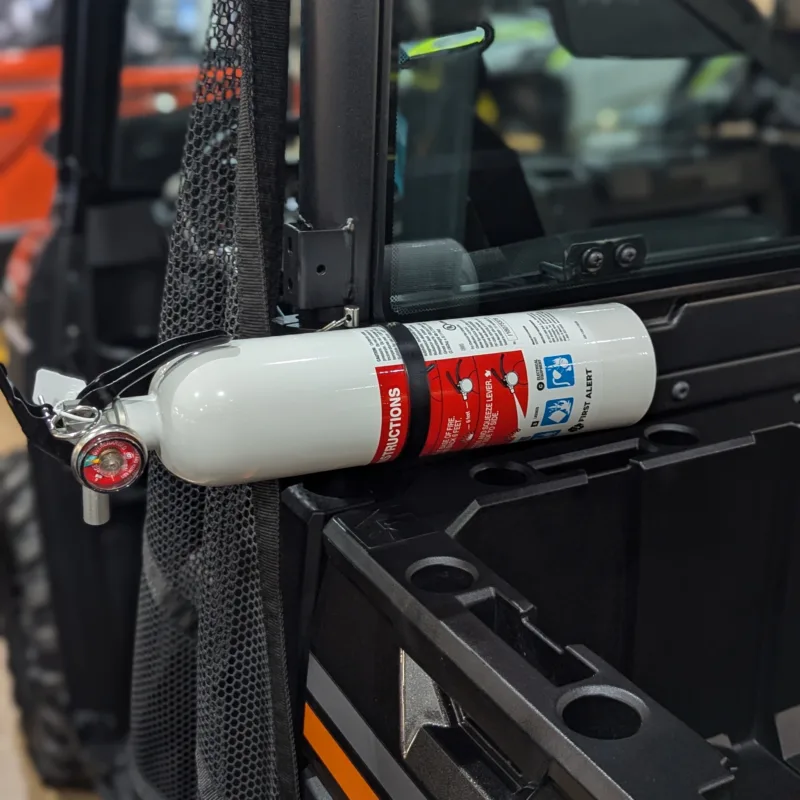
point(335, 759)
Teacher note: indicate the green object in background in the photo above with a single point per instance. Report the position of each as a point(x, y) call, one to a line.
point(558, 59)
point(506, 31)
point(511, 30)
point(441, 44)
point(711, 73)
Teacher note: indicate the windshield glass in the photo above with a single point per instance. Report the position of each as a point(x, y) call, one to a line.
point(164, 41)
point(553, 169)
point(165, 31)
point(29, 23)
point(156, 30)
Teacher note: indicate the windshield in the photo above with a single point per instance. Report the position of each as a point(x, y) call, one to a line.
point(29, 23)
point(164, 41)
point(156, 30)
point(159, 32)
point(553, 170)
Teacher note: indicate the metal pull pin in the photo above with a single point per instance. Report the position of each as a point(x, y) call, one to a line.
point(96, 507)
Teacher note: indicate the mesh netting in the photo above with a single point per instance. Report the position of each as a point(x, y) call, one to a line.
point(202, 698)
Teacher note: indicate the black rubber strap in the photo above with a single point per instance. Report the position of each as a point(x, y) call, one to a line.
point(419, 393)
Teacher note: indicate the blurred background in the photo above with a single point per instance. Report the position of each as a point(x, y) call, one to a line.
point(82, 258)
point(44, 114)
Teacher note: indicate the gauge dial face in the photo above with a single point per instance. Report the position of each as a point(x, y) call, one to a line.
point(111, 464)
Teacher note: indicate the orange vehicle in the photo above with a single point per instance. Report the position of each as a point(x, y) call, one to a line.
point(30, 81)
point(160, 77)
point(29, 116)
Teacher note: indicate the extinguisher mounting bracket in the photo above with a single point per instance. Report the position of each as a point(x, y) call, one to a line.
point(317, 266)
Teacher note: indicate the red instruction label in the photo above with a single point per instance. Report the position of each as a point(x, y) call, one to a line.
point(476, 400)
point(395, 411)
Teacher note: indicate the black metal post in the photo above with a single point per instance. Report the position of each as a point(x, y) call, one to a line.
point(94, 34)
point(343, 125)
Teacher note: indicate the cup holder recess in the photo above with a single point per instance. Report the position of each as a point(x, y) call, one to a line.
point(606, 713)
point(442, 575)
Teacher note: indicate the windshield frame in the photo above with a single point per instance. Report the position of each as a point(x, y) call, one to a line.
point(683, 272)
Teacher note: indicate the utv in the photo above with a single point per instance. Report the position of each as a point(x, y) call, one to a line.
point(604, 616)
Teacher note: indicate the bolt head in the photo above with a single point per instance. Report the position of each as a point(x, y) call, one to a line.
point(680, 391)
point(626, 255)
point(593, 260)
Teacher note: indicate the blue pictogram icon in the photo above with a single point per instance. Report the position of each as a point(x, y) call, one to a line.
point(557, 412)
point(560, 371)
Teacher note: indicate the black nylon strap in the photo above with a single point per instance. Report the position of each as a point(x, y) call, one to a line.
point(32, 419)
point(419, 393)
point(260, 191)
point(109, 385)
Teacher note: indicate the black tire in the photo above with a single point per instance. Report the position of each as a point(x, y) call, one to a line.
point(34, 657)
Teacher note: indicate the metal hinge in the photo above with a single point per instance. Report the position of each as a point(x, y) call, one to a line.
point(599, 259)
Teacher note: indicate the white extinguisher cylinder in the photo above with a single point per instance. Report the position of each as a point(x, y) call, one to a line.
point(291, 405)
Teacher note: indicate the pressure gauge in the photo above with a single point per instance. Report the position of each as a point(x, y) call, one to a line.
point(109, 459)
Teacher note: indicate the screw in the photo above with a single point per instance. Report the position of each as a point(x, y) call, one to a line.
point(680, 391)
point(626, 255)
point(796, 398)
point(593, 260)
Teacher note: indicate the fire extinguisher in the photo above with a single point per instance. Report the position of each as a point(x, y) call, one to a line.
point(221, 412)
